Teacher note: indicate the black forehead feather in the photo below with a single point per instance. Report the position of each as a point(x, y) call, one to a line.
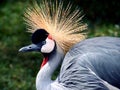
point(39, 35)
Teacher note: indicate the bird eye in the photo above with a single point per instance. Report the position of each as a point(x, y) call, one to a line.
point(43, 42)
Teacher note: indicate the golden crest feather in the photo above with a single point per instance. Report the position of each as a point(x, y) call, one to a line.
point(63, 24)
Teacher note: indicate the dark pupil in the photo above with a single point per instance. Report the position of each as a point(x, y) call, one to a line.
point(39, 36)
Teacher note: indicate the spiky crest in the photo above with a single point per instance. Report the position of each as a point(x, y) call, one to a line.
point(61, 23)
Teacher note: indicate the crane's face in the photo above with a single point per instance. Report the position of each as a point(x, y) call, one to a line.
point(42, 42)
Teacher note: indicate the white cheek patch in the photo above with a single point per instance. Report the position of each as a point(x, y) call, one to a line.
point(49, 46)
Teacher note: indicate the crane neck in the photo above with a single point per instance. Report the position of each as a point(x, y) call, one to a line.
point(43, 79)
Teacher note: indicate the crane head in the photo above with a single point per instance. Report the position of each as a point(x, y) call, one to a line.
point(56, 20)
point(41, 42)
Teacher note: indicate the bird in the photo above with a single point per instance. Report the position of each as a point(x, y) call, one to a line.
point(58, 33)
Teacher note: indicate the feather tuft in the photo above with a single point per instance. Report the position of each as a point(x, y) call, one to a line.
point(63, 24)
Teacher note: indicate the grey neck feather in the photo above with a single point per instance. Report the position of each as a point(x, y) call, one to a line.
point(43, 79)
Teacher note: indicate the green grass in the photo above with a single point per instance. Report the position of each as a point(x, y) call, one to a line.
point(18, 70)
point(104, 30)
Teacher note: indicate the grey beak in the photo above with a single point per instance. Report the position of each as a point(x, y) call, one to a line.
point(32, 47)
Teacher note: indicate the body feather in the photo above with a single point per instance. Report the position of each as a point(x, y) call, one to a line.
point(90, 63)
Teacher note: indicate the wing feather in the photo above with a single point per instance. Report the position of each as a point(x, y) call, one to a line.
point(95, 60)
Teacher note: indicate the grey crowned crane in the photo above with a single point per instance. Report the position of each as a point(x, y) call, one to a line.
point(86, 64)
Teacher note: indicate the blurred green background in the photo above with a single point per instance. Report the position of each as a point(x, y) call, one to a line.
point(17, 70)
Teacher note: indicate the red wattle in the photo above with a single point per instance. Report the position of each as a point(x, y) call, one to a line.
point(45, 60)
point(50, 37)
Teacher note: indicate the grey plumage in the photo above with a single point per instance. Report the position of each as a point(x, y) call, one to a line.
point(87, 66)
point(91, 62)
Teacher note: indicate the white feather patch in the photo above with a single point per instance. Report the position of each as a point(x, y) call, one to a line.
point(49, 46)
